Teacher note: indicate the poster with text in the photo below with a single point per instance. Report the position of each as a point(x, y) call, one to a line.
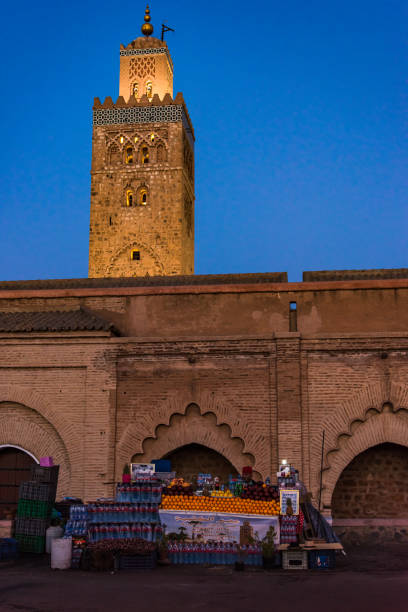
point(224, 527)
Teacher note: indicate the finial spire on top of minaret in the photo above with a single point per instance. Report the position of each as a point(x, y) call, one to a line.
point(147, 28)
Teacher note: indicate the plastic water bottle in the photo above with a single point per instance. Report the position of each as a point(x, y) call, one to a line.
point(175, 548)
point(244, 556)
point(227, 553)
point(248, 560)
point(158, 533)
point(145, 531)
point(182, 553)
point(260, 559)
point(154, 491)
point(170, 553)
point(217, 553)
point(189, 553)
point(104, 533)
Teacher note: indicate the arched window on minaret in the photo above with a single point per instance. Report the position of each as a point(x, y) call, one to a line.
point(149, 90)
point(143, 196)
point(144, 155)
point(114, 155)
point(129, 155)
point(129, 197)
point(135, 89)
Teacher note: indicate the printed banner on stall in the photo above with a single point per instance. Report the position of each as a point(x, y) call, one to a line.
point(224, 527)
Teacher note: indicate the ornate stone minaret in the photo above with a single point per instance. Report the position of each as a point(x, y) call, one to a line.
point(142, 185)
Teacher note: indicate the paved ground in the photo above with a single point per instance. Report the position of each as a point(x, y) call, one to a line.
point(367, 579)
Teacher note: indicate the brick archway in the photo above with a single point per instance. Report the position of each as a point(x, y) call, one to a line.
point(28, 428)
point(379, 428)
point(255, 442)
point(192, 427)
point(36, 402)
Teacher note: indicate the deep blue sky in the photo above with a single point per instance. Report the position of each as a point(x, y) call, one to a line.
point(298, 109)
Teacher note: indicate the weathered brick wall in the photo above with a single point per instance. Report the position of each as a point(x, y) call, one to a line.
point(373, 485)
point(233, 379)
point(230, 381)
point(356, 393)
point(55, 400)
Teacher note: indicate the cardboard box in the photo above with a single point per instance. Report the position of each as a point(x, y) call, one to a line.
point(6, 529)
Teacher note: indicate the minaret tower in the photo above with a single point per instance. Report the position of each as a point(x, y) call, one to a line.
point(142, 176)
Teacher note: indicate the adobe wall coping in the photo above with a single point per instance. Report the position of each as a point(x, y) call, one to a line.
point(370, 522)
point(389, 284)
point(108, 339)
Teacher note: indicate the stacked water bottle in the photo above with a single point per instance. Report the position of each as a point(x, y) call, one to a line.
point(214, 553)
point(135, 514)
point(142, 490)
point(78, 521)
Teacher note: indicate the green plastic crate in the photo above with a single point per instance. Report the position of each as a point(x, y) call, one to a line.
point(34, 544)
point(29, 508)
point(31, 526)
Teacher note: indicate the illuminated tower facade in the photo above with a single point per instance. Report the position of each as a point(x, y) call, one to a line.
point(142, 175)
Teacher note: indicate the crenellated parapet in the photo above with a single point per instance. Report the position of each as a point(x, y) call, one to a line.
point(143, 110)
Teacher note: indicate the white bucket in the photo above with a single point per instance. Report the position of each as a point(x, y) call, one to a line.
point(61, 553)
point(51, 534)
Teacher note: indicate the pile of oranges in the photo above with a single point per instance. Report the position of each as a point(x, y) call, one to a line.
point(235, 505)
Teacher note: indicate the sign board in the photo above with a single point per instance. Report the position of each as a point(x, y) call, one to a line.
point(141, 470)
point(289, 497)
point(221, 526)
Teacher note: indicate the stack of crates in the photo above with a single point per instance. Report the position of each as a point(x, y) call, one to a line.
point(35, 504)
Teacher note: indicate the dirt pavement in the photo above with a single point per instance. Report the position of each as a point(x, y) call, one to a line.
point(366, 580)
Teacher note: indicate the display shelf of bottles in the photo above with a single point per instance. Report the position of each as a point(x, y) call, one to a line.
point(139, 491)
point(151, 532)
point(214, 553)
point(124, 512)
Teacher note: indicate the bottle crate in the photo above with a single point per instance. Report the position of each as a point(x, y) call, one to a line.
point(37, 491)
point(30, 508)
point(34, 544)
point(136, 562)
point(294, 559)
point(31, 526)
point(43, 474)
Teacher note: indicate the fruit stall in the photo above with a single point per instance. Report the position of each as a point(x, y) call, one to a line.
point(158, 518)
